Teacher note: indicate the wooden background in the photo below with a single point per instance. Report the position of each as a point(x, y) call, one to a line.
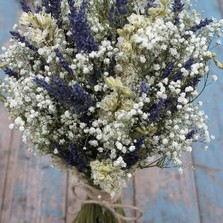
point(33, 192)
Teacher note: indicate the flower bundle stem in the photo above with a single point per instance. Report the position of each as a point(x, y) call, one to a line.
point(94, 213)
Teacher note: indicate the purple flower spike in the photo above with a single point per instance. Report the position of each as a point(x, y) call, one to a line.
point(81, 32)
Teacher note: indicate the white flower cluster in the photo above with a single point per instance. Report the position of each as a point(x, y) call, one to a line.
point(107, 87)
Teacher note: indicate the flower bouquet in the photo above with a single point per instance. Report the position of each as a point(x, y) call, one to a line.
point(106, 87)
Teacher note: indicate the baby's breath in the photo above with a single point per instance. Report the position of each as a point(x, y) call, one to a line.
point(108, 87)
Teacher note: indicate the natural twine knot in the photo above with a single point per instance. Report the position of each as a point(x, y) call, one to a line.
point(105, 200)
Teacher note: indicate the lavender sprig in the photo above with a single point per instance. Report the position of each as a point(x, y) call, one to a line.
point(81, 32)
point(74, 96)
point(55, 8)
point(178, 6)
point(46, 4)
point(187, 66)
point(24, 6)
point(168, 70)
point(63, 62)
point(121, 6)
point(132, 158)
point(144, 87)
point(117, 13)
point(151, 4)
point(22, 39)
point(203, 23)
point(114, 99)
point(191, 134)
point(11, 73)
point(73, 156)
point(156, 110)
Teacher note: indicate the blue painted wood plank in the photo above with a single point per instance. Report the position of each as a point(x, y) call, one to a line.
point(6, 8)
point(166, 196)
point(209, 165)
point(9, 12)
point(34, 192)
point(5, 138)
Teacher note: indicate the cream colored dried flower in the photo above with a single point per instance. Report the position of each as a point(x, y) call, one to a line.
point(42, 26)
point(110, 178)
point(117, 85)
point(110, 102)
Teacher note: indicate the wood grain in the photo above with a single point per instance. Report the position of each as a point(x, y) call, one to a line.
point(209, 165)
point(128, 197)
point(34, 191)
point(167, 196)
point(5, 143)
point(9, 11)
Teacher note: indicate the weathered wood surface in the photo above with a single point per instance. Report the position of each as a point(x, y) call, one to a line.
point(5, 144)
point(209, 165)
point(33, 192)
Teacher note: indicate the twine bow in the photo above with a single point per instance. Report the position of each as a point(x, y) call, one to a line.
point(104, 199)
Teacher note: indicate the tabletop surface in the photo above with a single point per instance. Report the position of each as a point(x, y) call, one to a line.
point(33, 192)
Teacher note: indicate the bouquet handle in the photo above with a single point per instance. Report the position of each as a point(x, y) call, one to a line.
point(103, 199)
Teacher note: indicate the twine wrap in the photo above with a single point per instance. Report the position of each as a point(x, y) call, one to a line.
point(104, 199)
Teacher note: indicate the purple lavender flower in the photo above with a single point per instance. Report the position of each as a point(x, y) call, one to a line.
point(56, 8)
point(111, 68)
point(187, 66)
point(156, 110)
point(73, 156)
point(46, 4)
point(203, 23)
point(176, 20)
point(195, 28)
point(151, 4)
point(22, 39)
point(74, 96)
point(38, 9)
point(81, 32)
point(178, 6)
point(24, 6)
point(189, 63)
point(168, 70)
point(53, 7)
point(139, 142)
point(121, 6)
point(63, 62)
point(178, 76)
point(170, 104)
point(11, 73)
point(131, 158)
point(144, 87)
point(195, 82)
point(117, 12)
point(191, 134)
point(94, 77)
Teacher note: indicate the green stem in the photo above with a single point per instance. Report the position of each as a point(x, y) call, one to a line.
point(94, 213)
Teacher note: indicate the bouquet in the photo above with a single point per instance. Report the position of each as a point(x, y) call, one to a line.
point(106, 87)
